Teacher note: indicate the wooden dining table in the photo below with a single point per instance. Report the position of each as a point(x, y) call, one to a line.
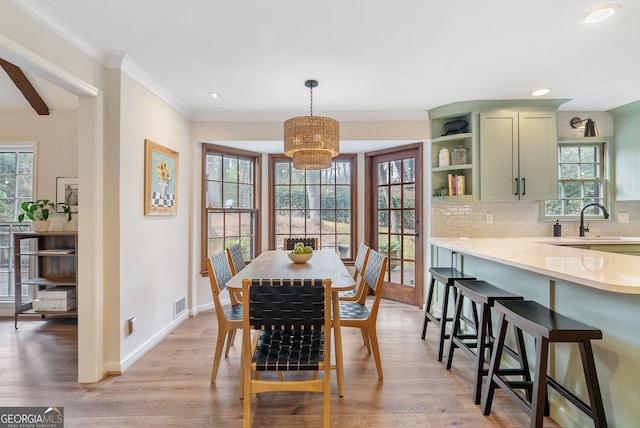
point(324, 264)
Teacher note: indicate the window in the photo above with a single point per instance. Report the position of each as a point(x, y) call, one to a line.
point(16, 186)
point(229, 201)
point(314, 204)
point(582, 178)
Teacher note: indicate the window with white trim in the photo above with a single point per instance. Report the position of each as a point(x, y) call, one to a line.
point(582, 178)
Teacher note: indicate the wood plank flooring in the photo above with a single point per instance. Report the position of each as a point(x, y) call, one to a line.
point(169, 386)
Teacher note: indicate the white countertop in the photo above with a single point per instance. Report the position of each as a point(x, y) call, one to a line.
point(618, 273)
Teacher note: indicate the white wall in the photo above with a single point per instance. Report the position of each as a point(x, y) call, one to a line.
point(57, 139)
point(154, 251)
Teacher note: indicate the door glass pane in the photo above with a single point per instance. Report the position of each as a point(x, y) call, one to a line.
point(383, 198)
point(383, 173)
point(409, 195)
point(396, 196)
point(395, 172)
point(409, 170)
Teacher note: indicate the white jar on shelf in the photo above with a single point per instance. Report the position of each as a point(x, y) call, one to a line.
point(443, 157)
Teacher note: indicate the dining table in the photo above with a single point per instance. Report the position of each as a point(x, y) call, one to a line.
point(324, 264)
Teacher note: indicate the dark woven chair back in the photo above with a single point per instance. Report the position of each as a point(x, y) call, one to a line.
point(221, 269)
point(286, 304)
point(237, 261)
point(289, 243)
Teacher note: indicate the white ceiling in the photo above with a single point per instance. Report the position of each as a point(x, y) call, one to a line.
point(374, 59)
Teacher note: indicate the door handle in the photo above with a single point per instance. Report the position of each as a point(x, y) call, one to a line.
point(524, 187)
point(517, 187)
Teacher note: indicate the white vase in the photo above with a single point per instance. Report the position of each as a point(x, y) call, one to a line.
point(40, 225)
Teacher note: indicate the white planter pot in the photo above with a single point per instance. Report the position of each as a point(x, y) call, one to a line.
point(40, 226)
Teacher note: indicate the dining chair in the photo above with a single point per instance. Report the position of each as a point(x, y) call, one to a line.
point(289, 243)
point(229, 318)
point(360, 291)
point(236, 263)
point(291, 321)
point(359, 315)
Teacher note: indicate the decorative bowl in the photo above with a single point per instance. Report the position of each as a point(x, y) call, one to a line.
point(299, 258)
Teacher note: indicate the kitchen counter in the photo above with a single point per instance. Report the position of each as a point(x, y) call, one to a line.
point(559, 258)
point(599, 288)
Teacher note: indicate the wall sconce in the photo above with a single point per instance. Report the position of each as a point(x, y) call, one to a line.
point(590, 129)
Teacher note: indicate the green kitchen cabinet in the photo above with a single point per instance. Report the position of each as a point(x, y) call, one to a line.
point(518, 155)
point(627, 135)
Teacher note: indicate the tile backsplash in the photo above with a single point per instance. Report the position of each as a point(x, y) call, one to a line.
point(520, 219)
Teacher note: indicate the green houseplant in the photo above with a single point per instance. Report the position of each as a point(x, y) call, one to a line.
point(39, 212)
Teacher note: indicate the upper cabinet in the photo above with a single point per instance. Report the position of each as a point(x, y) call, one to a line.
point(627, 132)
point(518, 156)
point(509, 146)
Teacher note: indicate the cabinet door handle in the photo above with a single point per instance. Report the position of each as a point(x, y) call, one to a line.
point(524, 187)
point(517, 187)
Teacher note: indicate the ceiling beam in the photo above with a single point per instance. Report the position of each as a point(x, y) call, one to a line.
point(18, 77)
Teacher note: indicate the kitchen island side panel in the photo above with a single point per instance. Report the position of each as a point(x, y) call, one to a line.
point(617, 355)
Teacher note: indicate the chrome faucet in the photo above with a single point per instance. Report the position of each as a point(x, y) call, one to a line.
point(591, 204)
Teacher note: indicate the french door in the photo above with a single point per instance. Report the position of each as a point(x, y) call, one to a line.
point(393, 199)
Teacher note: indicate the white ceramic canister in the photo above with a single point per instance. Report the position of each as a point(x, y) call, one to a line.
point(443, 157)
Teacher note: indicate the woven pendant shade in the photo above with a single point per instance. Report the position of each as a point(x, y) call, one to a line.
point(311, 140)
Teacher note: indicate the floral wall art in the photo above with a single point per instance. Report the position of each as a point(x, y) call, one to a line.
point(160, 180)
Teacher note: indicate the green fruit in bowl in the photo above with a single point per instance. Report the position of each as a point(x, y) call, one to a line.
point(298, 250)
point(308, 250)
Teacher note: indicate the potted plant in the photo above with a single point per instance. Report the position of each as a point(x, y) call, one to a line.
point(39, 212)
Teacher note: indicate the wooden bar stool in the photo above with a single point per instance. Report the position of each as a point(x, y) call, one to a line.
point(446, 276)
point(546, 326)
point(482, 294)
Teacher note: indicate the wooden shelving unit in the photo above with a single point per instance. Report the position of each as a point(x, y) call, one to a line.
point(52, 262)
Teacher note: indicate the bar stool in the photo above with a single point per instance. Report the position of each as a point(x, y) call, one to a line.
point(446, 276)
point(484, 295)
point(546, 326)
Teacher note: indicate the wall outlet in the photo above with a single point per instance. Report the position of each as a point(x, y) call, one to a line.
point(623, 218)
point(131, 325)
point(489, 218)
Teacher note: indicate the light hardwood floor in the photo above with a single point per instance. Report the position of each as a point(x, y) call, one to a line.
point(169, 386)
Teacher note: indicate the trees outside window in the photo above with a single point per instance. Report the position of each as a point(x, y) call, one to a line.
point(581, 179)
point(314, 203)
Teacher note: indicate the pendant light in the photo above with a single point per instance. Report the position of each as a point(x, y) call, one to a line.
point(312, 141)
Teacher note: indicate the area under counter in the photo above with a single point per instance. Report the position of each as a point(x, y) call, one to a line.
point(598, 288)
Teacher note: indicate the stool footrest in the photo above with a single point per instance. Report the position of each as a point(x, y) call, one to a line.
point(509, 387)
point(584, 407)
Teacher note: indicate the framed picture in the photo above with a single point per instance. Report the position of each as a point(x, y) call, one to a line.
point(67, 193)
point(160, 180)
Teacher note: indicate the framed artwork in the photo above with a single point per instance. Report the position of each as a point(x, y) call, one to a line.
point(67, 193)
point(160, 180)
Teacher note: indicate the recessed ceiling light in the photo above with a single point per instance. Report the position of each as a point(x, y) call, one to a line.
point(600, 14)
point(540, 92)
point(214, 95)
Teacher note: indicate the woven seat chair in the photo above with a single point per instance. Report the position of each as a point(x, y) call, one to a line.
point(359, 293)
point(358, 315)
point(289, 243)
point(229, 318)
point(292, 323)
point(236, 263)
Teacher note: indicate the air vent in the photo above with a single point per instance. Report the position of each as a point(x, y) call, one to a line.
point(179, 306)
